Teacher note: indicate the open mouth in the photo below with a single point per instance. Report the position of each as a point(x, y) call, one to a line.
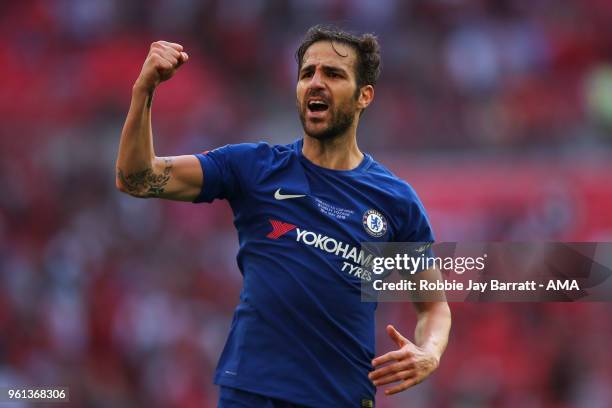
point(317, 106)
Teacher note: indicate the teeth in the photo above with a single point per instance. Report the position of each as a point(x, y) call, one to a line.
point(320, 103)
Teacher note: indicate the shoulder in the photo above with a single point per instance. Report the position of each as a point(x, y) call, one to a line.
point(241, 148)
point(399, 190)
point(411, 220)
point(243, 153)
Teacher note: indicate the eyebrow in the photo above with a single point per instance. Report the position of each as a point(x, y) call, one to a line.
point(327, 68)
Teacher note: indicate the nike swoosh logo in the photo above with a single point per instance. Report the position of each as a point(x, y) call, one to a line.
point(279, 196)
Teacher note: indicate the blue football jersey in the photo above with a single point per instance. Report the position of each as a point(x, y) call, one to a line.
point(301, 332)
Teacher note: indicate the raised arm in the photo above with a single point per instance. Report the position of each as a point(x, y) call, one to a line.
point(139, 172)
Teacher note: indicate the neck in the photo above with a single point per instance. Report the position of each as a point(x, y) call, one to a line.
point(339, 153)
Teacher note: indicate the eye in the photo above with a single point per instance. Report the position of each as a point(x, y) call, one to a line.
point(306, 74)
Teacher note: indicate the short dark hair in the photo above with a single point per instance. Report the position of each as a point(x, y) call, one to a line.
point(365, 45)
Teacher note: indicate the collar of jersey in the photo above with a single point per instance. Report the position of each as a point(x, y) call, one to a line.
point(363, 166)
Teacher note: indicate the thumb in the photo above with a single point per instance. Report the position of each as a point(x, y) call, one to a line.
point(396, 336)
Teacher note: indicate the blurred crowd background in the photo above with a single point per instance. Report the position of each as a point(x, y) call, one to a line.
point(499, 113)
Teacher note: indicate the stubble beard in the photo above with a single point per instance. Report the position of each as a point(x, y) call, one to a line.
point(339, 122)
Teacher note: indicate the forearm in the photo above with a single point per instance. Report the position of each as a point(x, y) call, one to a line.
point(138, 171)
point(433, 327)
point(136, 151)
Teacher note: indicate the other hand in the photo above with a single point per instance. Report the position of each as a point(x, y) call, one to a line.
point(409, 365)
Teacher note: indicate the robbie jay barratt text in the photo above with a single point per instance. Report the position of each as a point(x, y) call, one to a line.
point(493, 285)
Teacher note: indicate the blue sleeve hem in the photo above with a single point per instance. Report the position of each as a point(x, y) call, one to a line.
point(210, 173)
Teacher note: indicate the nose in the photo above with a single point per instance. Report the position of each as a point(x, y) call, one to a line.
point(316, 82)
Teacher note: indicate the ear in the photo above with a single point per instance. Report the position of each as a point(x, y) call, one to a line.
point(366, 96)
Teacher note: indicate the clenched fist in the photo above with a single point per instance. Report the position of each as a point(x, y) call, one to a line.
point(160, 65)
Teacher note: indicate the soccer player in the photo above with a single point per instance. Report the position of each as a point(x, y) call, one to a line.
point(300, 336)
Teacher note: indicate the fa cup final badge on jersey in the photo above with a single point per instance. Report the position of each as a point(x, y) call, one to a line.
point(374, 223)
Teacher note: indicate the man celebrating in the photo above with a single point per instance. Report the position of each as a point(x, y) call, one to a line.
point(300, 335)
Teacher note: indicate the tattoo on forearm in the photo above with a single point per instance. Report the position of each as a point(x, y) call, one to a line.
point(146, 183)
point(149, 99)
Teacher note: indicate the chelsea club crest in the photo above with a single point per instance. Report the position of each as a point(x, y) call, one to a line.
point(374, 223)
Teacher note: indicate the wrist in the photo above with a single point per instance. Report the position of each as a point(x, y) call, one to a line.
point(141, 87)
point(433, 352)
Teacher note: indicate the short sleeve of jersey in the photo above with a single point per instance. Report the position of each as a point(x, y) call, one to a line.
point(415, 223)
point(227, 171)
point(416, 226)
